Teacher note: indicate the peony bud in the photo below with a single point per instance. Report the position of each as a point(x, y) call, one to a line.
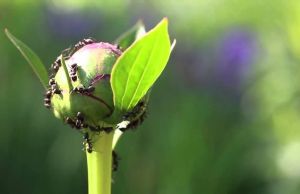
point(89, 102)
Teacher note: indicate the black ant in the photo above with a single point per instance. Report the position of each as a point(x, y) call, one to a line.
point(73, 72)
point(48, 95)
point(67, 53)
point(90, 89)
point(83, 42)
point(56, 65)
point(107, 129)
point(86, 91)
point(47, 99)
point(54, 87)
point(70, 121)
point(56, 90)
point(80, 116)
point(115, 161)
point(87, 143)
point(58, 61)
point(52, 82)
point(89, 40)
point(79, 89)
point(136, 116)
point(95, 129)
point(99, 129)
point(135, 123)
point(79, 123)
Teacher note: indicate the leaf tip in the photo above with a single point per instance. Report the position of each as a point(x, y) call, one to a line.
point(165, 21)
point(6, 31)
point(140, 23)
point(9, 35)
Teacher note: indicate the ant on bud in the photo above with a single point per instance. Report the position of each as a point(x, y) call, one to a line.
point(58, 61)
point(47, 99)
point(85, 91)
point(53, 85)
point(73, 72)
point(52, 82)
point(48, 94)
point(56, 91)
point(83, 42)
point(70, 122)
point(55, 66)
point(90, 89)
point(87, 41)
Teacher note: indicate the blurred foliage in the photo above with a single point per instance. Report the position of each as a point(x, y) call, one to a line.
point(223, 118)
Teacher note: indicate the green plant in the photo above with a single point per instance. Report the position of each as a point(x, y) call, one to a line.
point(102, 90)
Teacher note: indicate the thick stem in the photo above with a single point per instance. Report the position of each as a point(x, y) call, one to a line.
point(99, 163)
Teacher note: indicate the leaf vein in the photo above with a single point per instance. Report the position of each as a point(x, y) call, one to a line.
point(143, 74)
point(130, 72)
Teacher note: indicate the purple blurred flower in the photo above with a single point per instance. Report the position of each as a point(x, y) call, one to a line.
point(235, 53)
point(70, 24)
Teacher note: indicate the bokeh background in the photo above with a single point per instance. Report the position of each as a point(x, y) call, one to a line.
point(224, 118)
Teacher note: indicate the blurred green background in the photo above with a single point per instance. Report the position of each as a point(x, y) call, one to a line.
point(224, 117)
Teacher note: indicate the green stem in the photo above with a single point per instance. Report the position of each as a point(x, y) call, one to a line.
point(99, 163)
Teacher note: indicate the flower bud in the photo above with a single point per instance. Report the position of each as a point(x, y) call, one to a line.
point(89, 102)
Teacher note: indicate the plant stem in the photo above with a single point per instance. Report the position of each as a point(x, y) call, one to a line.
point(99, 163)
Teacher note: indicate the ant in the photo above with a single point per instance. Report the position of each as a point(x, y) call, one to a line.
point(107, 129)
point(56, 65)
point(47, 99)
point(99, 129)
point(52, 90)
point(115, 161)
point(95, 129)
point(79, 123)
point(70, 121)
point(135, 123)
point(136, 116)
point(52, 82)
point(87, 143)
point(86, 91)
point(74, 69)
point(54, 87)
point(83, 42)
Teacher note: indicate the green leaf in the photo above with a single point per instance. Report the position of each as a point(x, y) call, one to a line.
point(34, 61)
point(136, 32)
point(139, 67)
